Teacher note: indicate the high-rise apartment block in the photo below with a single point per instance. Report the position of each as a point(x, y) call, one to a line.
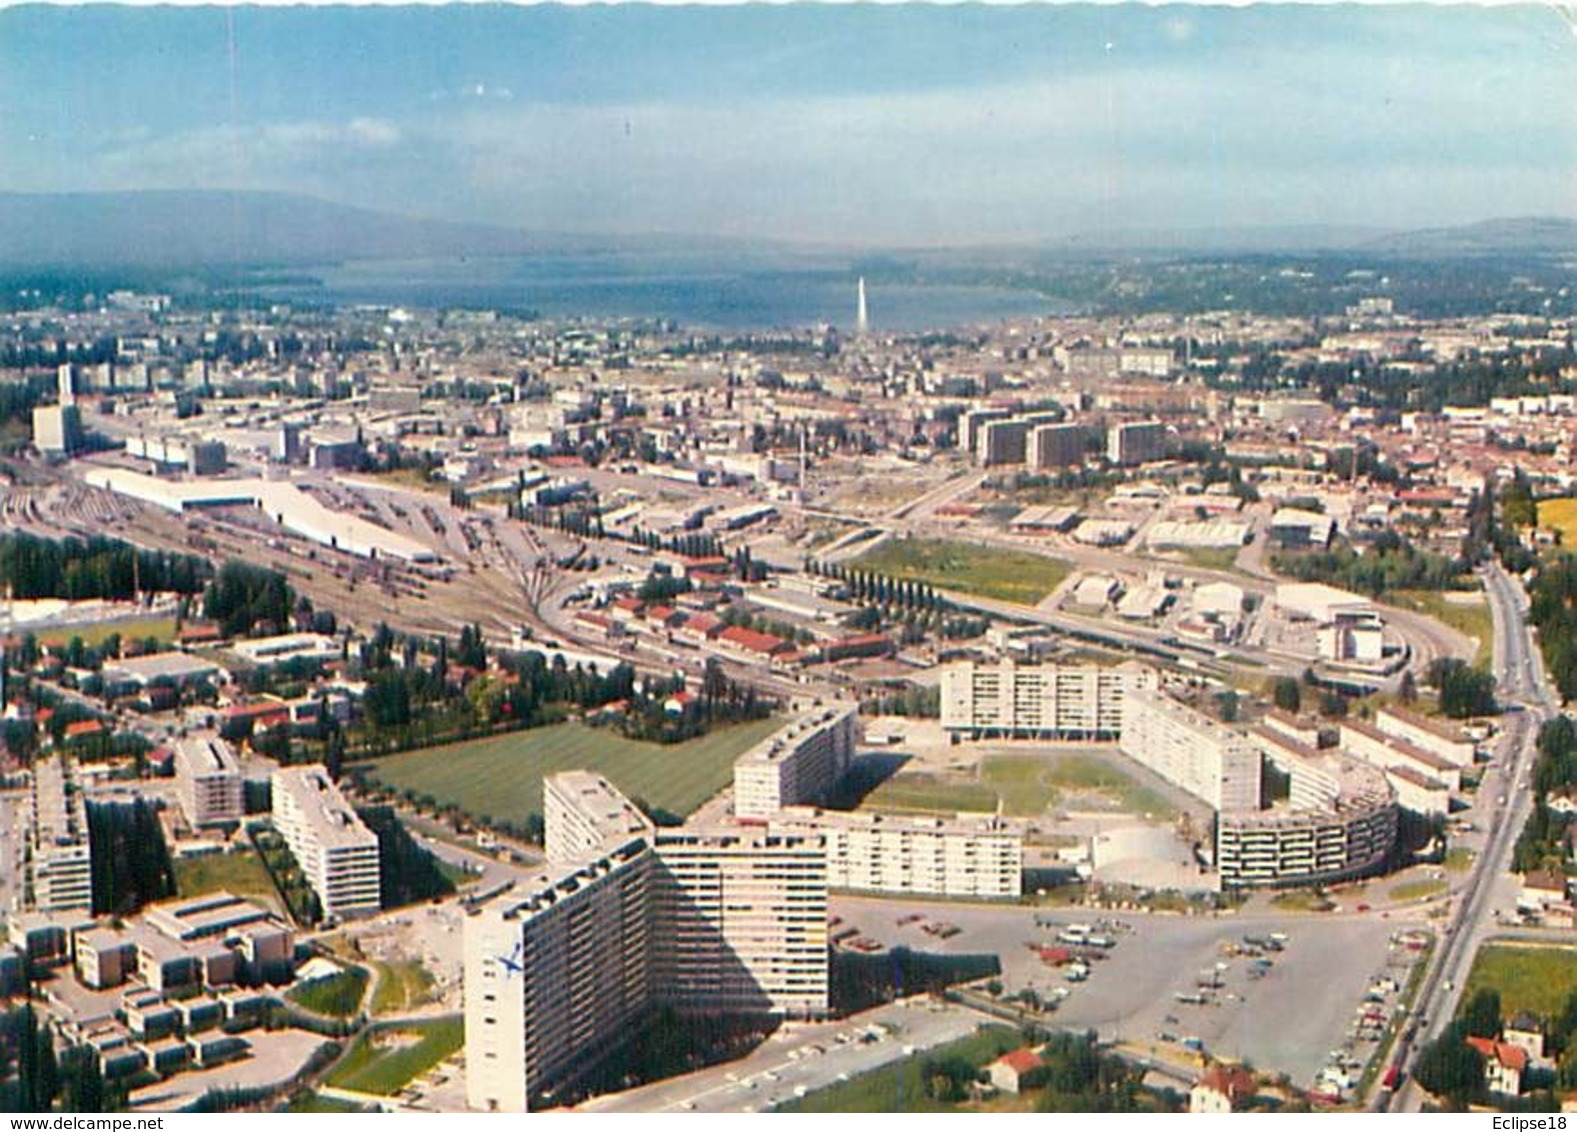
point(208, 780)
point(337, 853)
point(1211, 761)
point(796, 765)
point(1136, 442)
point(60, 853)
point(727, 920)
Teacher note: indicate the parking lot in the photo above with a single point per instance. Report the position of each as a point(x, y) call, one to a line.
point(1321, 974)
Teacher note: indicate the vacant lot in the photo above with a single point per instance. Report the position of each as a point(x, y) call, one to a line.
point(387, 1058)
point(239, 872)
point(1466, 611)
point(403, 985)
point(985, 571)
point(500, 778)
point(1535, 979)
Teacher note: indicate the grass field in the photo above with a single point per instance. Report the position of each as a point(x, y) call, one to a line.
point(137, 629)
point(1024, 785)
point(1459, 859)
point(402, 985)
point(1560, 514)
point(334, 996)
point(500, 778)
point(1471, 619)
point(985, 571)
point(1535, 979)
point(928, 792)
point(387, 1058)
point(900, 1086)
point(239, 872)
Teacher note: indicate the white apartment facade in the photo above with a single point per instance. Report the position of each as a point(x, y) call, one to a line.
point(1040, 701)
point(798, 764)
point(208, 780)
point(337, 853)
point(914, 856)
point(1211, 761)
point(60, 853)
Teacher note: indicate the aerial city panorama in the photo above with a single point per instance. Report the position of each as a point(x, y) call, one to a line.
point(815, 559)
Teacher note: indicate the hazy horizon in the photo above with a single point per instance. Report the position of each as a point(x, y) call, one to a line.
point(896, 126)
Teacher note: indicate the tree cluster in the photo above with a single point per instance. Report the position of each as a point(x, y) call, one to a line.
point(243, 597)
point(78, 569)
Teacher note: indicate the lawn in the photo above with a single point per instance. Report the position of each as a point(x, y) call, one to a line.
point(1470, 618)
point(402, 985)
point(1459, 859)
point(239, 872)
point(387, 1058)
point(334, 996)
point(500, 778)
point(900, 1086)
point(1535, 979)
point(985, 571)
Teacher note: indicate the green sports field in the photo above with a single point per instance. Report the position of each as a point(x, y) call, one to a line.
point(500, 778)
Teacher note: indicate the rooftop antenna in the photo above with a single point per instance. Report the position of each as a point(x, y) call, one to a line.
point(862, 321)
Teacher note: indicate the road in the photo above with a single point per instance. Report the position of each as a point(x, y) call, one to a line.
point(1525, 694)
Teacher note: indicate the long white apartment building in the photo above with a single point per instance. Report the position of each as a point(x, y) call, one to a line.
point(337, 853)
point(914, 856)
point(1434, 736)
point(561, 968)
point(797, 764)
point(1211, 761)
point(208, 781)
point(59, 850)
point(1040, 701)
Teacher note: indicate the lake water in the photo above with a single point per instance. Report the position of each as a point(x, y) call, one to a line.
point(700, 294)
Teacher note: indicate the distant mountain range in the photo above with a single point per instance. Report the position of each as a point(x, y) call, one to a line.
point(206, 228)
point(219, 229)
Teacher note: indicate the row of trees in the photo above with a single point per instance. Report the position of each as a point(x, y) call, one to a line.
point(1541, 844)
point(78, 569)
point(131, 864)
point(869, 588)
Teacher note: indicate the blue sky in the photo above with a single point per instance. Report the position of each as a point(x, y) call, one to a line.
point(878, 125)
